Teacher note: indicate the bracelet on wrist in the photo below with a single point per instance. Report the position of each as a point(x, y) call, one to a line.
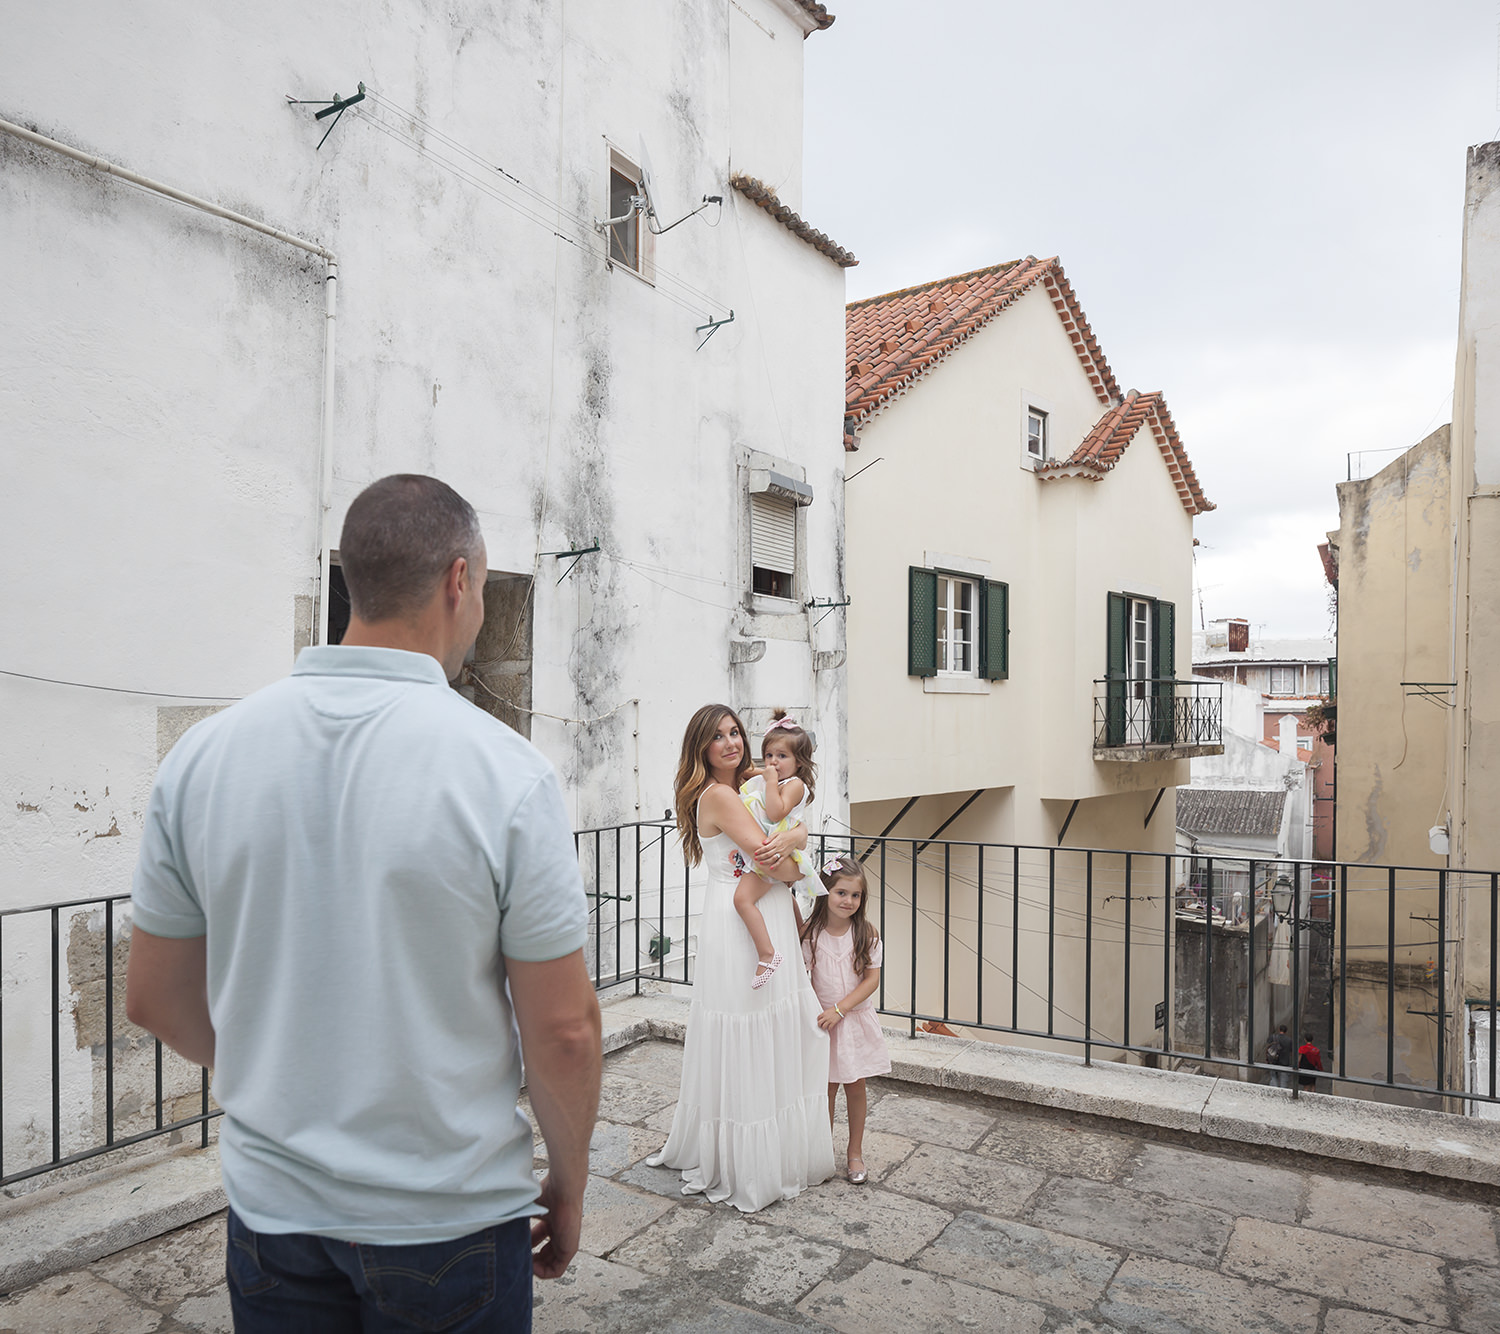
point(841, 1014)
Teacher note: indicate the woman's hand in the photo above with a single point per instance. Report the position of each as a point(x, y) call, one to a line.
point(830, 1018)
point(777, 846)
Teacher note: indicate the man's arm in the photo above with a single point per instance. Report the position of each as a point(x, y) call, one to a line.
point(557, 1013)
point(166, 992)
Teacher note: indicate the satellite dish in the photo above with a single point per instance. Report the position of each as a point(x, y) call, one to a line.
point(653, 200)
point(648, 183)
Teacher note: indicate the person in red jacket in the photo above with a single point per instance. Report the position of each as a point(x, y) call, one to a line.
point(1308, 1058)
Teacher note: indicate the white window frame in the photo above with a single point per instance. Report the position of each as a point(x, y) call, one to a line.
point(1038, 405)
point(1288, 678)
point(948, 584)
point(1140, 635)
point(620, 163)
point(1036, 433)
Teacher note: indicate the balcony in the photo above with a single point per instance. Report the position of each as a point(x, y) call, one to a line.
point(1157, 718)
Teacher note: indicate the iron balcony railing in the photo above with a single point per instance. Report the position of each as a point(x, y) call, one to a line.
point(1154, 957)
point(1169, 959)
point(1158, 712)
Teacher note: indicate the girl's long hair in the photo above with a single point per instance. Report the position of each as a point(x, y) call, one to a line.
point(693, 776)
point(798, 742)
point(865, 934)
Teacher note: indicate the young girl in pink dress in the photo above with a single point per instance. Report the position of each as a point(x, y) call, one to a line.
point(844, 953)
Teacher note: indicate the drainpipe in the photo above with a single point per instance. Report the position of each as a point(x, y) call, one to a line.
point(325, 445)
point(325, 451)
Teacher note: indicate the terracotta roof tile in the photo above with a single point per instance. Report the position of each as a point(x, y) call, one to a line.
point(929, 321)
point(819, 14)
point(1102, 447)
point(765, 197)
point(892, 341)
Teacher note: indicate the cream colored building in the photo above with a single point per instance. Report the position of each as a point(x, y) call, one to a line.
point(1018, 554)
point(1473, 771)
point(1392, 557)
point(1418, 566)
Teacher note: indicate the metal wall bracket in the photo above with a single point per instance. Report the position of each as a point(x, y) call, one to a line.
point(1436, 691)
point(578, 553)
point(830, 603)
point(713, 327)
point(334, 106)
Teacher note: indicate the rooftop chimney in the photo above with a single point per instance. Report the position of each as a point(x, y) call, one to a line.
point(1239, 635)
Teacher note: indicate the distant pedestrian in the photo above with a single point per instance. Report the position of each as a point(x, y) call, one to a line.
point(1309, 1058)
point(358, 899)
point(1279, 1052)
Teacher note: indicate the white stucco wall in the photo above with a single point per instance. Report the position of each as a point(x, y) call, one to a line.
point(162, 381)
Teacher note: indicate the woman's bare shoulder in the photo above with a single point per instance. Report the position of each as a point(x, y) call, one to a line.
point(716, 801)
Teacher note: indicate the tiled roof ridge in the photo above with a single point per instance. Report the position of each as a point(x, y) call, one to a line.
point(1103, 445)
point(939, 282)
point(817, 13)
point(1178, 464)
point(886, 354)
point(760, 194)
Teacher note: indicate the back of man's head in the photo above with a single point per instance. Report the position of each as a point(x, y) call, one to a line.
point(400, 536)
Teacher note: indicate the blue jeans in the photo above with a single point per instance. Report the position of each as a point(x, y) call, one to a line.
point(296, 1283)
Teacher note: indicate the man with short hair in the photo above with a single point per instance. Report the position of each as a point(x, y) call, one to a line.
point(358, 898)
point(1279, 1053)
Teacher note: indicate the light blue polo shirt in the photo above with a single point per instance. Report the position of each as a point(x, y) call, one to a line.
point(361, 846)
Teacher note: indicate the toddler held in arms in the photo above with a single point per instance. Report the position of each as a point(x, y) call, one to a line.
point(777, 798)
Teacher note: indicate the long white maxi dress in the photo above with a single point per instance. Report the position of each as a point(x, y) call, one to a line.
point(751, 1125)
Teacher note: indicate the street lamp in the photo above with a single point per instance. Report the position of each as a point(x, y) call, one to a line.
point(1281, 896)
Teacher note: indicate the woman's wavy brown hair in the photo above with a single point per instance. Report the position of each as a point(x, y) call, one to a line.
point(693, 776)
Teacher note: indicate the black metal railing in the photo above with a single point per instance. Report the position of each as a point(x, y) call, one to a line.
point(1166, 959)
point(1099, 948)
point(1157, 712)
point(61, 1094)
point(78, 1081)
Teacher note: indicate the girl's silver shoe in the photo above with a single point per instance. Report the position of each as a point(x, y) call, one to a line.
point(857, 1178)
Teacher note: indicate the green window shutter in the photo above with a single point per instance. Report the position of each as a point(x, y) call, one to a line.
point(1164, 668)
point(1114, 669)
point(1333, 678)
point(994, 630)
point(1164, 649)
point(1119, 636)
point(921, 623)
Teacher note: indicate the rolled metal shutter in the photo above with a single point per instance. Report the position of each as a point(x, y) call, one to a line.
point(773, 534)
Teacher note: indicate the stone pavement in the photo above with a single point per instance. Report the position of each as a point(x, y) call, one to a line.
point(979, 1214)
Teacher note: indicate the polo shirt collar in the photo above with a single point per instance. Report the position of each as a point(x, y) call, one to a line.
point(382, 664)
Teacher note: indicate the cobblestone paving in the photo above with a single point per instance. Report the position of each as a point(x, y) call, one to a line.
point(979, 1215)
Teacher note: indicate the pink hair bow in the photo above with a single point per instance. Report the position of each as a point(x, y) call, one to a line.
point(833, 865)
point(782, 722)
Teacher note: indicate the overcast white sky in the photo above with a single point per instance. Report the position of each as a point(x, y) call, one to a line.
point(1260, 207)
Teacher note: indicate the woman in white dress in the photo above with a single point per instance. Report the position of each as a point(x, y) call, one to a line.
point(751, 1125)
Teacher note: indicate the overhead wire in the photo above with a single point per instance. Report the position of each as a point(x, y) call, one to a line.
point(686, 295)
point(123, 690)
